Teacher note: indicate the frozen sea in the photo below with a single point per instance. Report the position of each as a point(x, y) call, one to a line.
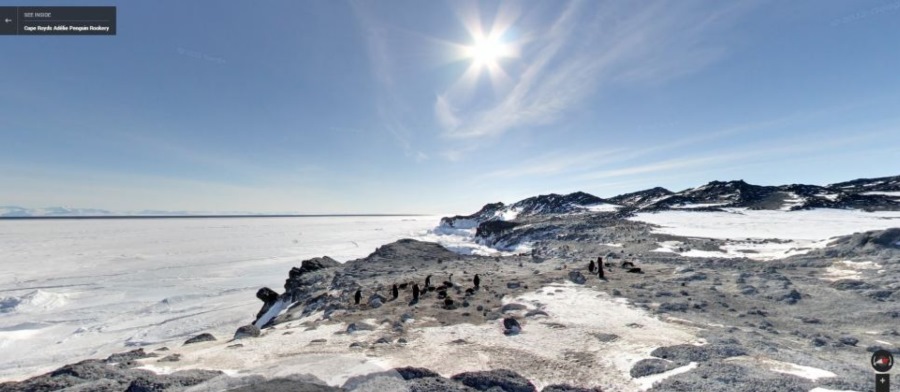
point(77, 289)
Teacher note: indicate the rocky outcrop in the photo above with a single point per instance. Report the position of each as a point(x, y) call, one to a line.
point(116, 373)
point(203, 337)
point(247, 331)
point(505, 380)
point(488, 212)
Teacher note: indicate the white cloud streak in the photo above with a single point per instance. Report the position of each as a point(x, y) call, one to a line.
point(591, 44)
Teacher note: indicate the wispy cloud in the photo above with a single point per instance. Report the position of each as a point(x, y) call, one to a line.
point(390, 107)
point(775, 150)
point(576, 161)
point(588, 45)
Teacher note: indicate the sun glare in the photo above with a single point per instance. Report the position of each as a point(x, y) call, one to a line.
point(485, 51)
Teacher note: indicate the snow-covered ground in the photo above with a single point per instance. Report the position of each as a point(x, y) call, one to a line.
point(548, 353)
point(800, 230)
point(71, 289)
point(463, 241)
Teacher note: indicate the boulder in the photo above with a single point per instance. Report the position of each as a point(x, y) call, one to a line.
point(512, 308)
point(171, 358)
point(203, 337)
point(311, 265)
point(568, 388)
point(576, 277)
point(650, 366)
point(267, 295)
point(353, 327)
point(129, 356)
point(505, 380)
point(411, 373)
point(376, 300)
point(247, 331)
point(511, 326)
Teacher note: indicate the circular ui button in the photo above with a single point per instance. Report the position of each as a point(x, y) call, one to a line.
point(882, 361)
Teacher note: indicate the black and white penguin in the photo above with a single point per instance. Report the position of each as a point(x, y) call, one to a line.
point(449, 283)
point(477, 281)
point(591, 267)
point(395, 291)
point(428, 281)
point(600, 268)
point(357, 296)
point(416, 292)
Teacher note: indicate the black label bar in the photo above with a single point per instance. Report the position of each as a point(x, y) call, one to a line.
point(57, 20)
point(882, 383)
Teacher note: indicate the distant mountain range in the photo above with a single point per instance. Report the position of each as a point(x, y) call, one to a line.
point(14, 211)
point(870, 194)
point(61, 212)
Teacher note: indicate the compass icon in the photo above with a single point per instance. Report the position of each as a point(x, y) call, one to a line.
point(882, 361)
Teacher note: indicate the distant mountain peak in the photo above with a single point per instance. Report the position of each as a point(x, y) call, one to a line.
point(868, 194)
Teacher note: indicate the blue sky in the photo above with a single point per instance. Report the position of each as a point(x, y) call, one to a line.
point(384, 106)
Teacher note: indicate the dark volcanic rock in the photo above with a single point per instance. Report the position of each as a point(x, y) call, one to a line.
point(95, 375)
point(489, 211)
point(247, 331)
point(568, 388)
point(850, 284)
point(360, 326)
point(411, 373)
point(790, 297)
point(682, 354)
point(512, 307)
point(737, 378)
point(129, 356)
point(576, 277)
point(267, 295)
point(406, 249)
point(506, 380)
point(556, 204)
point(203, 337)
point(436, 384)
point(640, 198)
point(311, 265)
point(493, 228)
point(376, 300)
point(511, 326)
point(175, 381)
point(669, 307)
point(269, 298)
point(650, 366)
point(287, 385)
point(171, 358)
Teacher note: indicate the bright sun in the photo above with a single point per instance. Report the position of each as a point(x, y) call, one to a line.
point(485, 51)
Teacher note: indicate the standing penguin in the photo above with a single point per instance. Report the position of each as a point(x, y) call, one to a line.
point(449, 282)
point(600, 268)
point(357, 296)
point(591, 267)
point(428, 281)
point(395, 291)
point(416, 292)
point(477, 281)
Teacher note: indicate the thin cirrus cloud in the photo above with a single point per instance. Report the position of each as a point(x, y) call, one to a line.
point(590, 44)
point(774, 151)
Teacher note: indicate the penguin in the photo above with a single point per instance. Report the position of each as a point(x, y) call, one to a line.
point(428, 281)
point(477, 281)
point(357, 296)
point(449, 283)
point(395, 291)
point(416, 292)
point(591, 267)
point(600, 268)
